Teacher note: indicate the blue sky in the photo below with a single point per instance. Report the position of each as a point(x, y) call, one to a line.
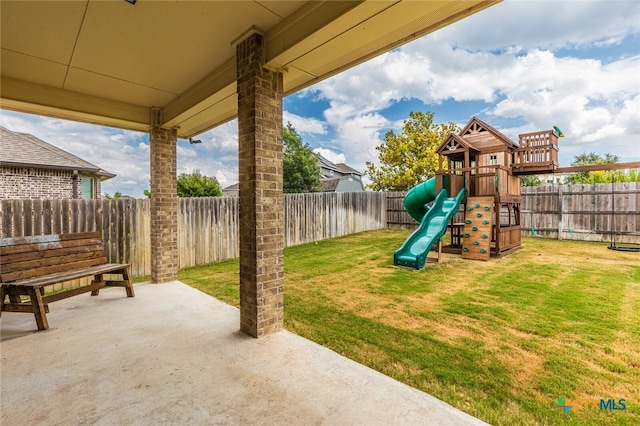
point(520, 66)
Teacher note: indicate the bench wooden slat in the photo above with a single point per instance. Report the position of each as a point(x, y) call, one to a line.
point(74, 292)
point(7, 260)
point(24, 307)
point(63, 276)
point(48, 259)
point(36, 239)
point(27, 248)
point(52, 269)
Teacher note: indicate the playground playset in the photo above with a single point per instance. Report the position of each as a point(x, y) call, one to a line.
point(482, 167)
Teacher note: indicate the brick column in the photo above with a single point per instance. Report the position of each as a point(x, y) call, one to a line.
point(164, 205)
point(261, 197)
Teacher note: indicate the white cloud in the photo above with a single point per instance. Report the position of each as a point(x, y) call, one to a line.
point(629, 115)
point(604, 133)
point(305, 124)
point(357, 135)
point(544, 24)
point(226, 177)
point(216, 156)
point(221, 140)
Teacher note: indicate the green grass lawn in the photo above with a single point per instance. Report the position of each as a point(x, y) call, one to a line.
point(500, 340)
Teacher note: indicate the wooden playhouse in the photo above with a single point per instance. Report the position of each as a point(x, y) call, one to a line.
point(489, 164)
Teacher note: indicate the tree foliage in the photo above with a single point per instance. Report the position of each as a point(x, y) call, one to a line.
point(530, 180)
point(600, 176)
point(116, 195)
point(300, 165)
point(593, 158)
point(409, 157)
point(197, 185)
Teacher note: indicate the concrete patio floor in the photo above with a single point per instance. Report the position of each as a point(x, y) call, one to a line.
point(174, 355)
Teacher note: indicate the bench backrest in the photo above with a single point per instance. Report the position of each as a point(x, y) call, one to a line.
point(27, 257)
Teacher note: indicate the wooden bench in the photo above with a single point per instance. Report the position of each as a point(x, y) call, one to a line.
point(30, 264)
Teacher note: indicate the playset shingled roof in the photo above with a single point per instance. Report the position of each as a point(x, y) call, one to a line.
point(499, 135)
point(443, 148)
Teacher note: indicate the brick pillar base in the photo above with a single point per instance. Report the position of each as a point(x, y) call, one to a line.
point(164, 205)
point(261, 197)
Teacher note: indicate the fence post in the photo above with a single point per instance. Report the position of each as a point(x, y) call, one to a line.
point(560, 218)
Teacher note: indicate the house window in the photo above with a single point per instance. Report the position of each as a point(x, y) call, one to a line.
point(493, 159)
point(87, 188)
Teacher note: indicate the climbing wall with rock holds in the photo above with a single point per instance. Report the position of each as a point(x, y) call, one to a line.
point(476, 237)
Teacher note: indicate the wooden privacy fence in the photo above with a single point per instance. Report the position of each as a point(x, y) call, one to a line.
point(207, 227)
point(593, 212)
point(397, 216)
point(318, 216)
point(581, 212)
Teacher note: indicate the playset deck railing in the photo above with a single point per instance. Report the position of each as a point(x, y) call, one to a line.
point(493, 180)
point(538, 153)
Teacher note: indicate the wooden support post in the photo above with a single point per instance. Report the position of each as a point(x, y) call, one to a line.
point(438, 249)
point(3, 295)
point(128, 285)
point(38, 308)
point(497, 209)
point(97, 279)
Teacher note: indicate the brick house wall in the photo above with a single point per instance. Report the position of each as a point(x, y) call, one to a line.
point(43, 184)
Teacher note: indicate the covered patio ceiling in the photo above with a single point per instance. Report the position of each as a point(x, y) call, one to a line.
point(109, 62)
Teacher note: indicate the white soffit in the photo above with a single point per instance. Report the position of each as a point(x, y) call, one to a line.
point(109, 62)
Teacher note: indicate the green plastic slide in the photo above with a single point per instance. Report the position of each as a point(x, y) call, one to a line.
point(433, 222)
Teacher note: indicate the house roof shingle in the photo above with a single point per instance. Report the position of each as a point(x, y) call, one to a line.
point(345, 168)
point(25, 150)
point(340, 167)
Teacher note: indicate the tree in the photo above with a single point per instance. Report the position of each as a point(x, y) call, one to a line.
point(409, 158)
point(300, 165)
point(116, 195)
point(530, 180)
point(197, 185)
point(600, 176)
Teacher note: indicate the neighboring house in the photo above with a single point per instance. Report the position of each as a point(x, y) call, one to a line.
point(231, 190)
point(339, 177)
point(333, 178)
point(32, 168)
